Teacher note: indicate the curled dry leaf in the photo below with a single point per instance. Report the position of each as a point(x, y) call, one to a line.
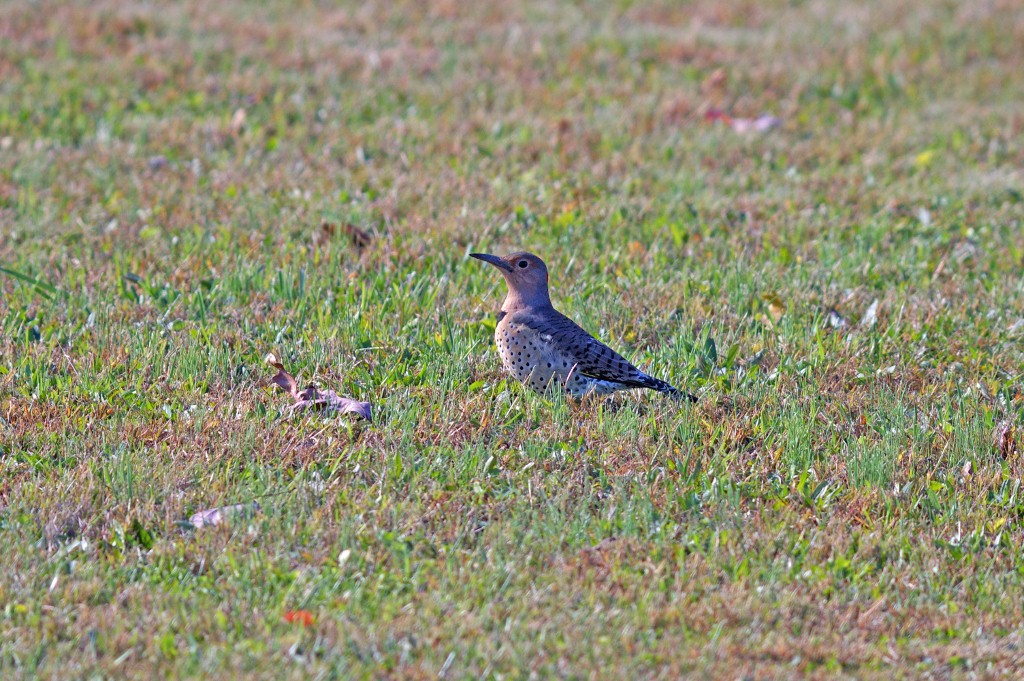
point(1006, 439)
point(359, 238)
point(313, 398)
point(329, 402)
point(215, 516)
point(325, 233)
point(282, 379)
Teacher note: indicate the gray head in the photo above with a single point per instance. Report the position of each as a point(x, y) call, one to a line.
point(526, 276)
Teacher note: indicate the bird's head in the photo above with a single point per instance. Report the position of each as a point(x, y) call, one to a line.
point(525, 274)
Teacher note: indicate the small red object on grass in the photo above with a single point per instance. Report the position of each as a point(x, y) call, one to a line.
point(303, 617)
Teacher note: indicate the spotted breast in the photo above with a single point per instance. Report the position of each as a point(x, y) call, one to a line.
point(545, 351)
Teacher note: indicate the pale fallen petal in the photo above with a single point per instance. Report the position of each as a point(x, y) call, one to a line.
point(834, 319)
point(871, 316)
point(762, 123)
point(215, 516)
point(759, 124)
point(924, 216)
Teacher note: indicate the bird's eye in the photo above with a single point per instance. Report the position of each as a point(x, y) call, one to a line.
point(523, 264)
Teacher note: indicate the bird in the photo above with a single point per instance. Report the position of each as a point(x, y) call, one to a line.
point(542, 347)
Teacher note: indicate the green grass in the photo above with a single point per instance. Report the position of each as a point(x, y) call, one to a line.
point(836, 504)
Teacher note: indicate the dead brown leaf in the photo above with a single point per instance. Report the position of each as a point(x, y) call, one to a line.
point(325, 233)
point(1006, 440)
point(359, 238)
point(327, 401)
point(282, 379)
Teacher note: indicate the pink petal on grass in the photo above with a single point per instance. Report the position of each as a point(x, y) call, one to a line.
point(762, 123)
point(216, 516)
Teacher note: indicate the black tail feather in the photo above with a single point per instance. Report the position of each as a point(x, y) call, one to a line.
point(670, 390)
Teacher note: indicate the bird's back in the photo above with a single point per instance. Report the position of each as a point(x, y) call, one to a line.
point(540, 345)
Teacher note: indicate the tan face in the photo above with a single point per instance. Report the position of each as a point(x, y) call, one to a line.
point(523, 271)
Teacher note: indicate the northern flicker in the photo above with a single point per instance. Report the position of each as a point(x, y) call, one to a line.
point(541, 347)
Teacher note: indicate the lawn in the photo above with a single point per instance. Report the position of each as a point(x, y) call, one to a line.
point(188, 187)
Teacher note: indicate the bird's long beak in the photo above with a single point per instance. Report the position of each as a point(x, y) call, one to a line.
point(493, 259)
